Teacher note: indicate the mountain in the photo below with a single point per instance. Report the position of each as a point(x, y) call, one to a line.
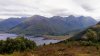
point(56, 25)
point(1, 20)
point(9, 23)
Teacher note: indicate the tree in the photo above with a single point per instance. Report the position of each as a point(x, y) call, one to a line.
point(91, 35)
point(98, 35)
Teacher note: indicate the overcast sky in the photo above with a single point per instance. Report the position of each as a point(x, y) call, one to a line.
point(19, 8)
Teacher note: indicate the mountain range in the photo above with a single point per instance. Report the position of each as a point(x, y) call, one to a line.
point(56, 25)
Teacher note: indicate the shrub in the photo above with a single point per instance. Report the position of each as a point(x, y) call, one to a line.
point(87, 43)
point(17, 44)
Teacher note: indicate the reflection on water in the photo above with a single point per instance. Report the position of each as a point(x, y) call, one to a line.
point(38, 40)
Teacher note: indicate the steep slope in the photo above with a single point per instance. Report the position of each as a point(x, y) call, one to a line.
point(92, 32)
point(56, 25)
point(9, 23)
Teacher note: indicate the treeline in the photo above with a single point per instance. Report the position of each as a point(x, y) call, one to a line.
point(18, 44)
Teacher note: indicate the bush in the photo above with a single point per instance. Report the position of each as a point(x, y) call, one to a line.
point(91, 35)
point(17, 44)
point(87, 43)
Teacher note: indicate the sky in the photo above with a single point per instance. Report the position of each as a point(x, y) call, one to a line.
point(48, 8)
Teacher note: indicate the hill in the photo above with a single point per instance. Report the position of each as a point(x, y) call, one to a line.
point(92, 32)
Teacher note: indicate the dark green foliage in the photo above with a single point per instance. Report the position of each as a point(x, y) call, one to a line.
point(81, 43)
point(17, 44)
point(91, 35)
point(87, 43)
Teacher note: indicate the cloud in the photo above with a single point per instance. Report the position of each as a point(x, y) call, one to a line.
point(11, 8)
point(60, 12)
point(87, 8)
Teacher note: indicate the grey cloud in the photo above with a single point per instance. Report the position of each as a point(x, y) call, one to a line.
point(47, 7)
point(86, 5)
point(14, 3)
point(60, 12)
point(14, 14)
point(87, 8)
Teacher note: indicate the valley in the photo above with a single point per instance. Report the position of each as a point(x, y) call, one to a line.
point(64, 36)
point(49, 27)
point(38, 27)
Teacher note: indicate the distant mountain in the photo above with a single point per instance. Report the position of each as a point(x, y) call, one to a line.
point(2, 19)
point(9, 23)
point(56, 25)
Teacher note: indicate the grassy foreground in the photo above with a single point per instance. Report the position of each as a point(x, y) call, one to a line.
point(62, 49)
point(73, 48)
point(19, 54)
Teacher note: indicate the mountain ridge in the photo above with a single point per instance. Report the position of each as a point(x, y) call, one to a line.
point(55, 25)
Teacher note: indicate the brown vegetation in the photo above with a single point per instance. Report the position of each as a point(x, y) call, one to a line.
point(62, 49)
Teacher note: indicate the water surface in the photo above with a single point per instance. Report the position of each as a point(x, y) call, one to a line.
point(37, 40)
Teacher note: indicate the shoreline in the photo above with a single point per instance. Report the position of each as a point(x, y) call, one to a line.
point(49, 37)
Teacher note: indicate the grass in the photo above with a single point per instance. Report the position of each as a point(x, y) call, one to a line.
point(62, 49)
point(26, 53)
